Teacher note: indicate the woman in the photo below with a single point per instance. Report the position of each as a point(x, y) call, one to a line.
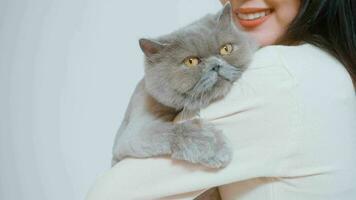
point(292, 120)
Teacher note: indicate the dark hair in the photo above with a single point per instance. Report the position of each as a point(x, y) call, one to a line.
point(330, 25)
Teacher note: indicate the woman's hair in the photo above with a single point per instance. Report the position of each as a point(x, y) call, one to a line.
point(330, 25)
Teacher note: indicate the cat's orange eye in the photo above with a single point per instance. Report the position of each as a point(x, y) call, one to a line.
point(226, 49)
point(191, 61)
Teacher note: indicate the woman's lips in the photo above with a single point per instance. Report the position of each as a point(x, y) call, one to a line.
point(252, 17)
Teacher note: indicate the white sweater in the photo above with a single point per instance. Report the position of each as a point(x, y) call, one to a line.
point(291, 120)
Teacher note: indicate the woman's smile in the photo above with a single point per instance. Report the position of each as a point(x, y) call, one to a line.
point(265, 20)
point(249, 17)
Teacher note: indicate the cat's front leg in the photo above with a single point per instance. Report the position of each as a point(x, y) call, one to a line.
point(193, 141)
point(200, 142)
point(154, 138)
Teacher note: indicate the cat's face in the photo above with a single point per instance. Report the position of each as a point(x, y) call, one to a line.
point(196, 64)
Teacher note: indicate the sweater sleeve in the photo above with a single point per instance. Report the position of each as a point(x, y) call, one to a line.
point(259, 117)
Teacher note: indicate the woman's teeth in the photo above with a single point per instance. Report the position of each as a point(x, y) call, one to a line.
point(253, 16)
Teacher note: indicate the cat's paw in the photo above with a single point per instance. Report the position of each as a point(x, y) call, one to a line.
point(223, 155)
point(201, 143)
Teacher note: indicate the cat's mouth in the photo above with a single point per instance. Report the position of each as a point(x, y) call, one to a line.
point(211, 84)
point(221, 82)
point(223, 78)
point(214, 79)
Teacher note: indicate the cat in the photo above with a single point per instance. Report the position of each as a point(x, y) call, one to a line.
point(185, 71)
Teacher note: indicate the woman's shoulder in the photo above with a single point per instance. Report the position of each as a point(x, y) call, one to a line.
point(289, 56)
point(308, 66)
point(279, 74)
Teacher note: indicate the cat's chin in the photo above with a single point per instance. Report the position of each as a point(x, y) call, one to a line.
point(218, 91)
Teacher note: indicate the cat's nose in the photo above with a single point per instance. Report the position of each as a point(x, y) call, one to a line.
point(216, 68)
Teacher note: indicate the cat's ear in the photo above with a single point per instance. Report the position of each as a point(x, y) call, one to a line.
point(150, 47)
point(225, 15)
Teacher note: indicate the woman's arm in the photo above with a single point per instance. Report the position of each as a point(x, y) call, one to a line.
point(259, 117)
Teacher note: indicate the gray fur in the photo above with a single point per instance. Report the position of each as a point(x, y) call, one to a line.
point(177, 86)
point(169, 87)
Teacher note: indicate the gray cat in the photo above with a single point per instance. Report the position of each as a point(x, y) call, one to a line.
point(185, 71)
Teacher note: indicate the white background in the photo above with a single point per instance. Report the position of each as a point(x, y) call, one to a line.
point(67, 70)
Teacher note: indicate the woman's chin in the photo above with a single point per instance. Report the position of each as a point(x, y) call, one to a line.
point(261, 38)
